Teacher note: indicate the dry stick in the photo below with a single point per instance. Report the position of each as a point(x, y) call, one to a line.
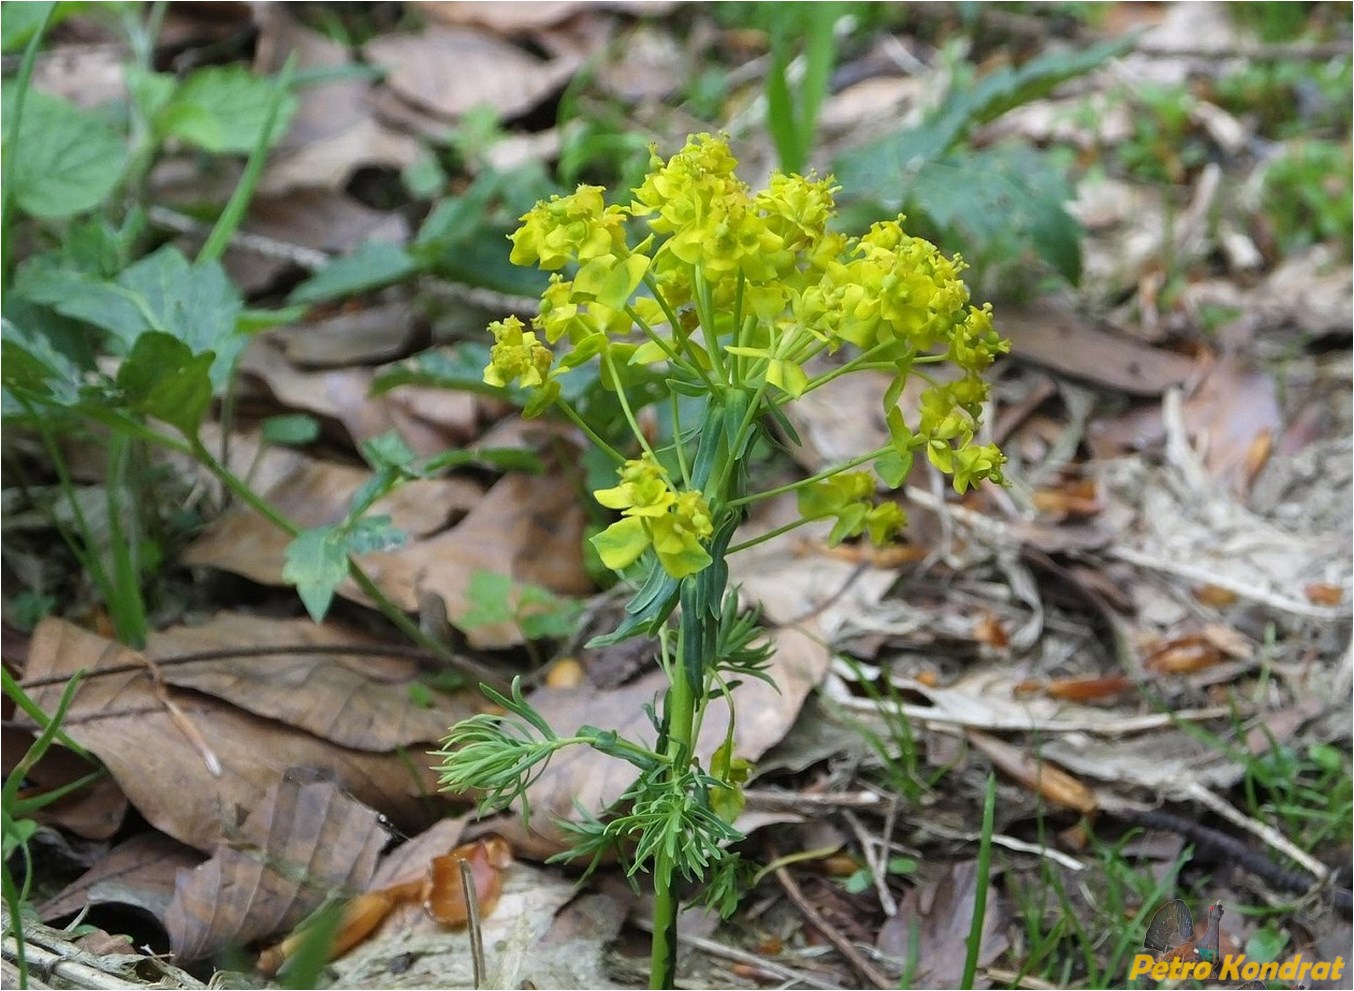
point(472, 919)
point(876, 860)
point(425, 659)
point(844, 946)
point(1271, 836)
point(768, 799)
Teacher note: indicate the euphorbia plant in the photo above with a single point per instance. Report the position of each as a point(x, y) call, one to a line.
point(725, 296)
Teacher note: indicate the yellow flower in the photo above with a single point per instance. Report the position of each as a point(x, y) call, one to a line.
point(653, 515)
point(516, 354)
point(578, 227)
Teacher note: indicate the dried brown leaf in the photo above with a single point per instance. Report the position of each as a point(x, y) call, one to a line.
point(139, 872)
point(119, 719)
point(355, 700)
point(449, 71)
point(1183, 655)
point(333, 132)
point(1065, 342)
point(306, 838)
point(942, 913)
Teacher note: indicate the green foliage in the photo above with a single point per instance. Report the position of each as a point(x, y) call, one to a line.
point(998, 202)
point(219, 109)
point(1277, 21)
point(1287, 99)
point(65, 160)
point(792, 109)
point(16, 823)
point(536, 611)
point(1165, 146)
point(1068, 945)
point(1308, 793)
point(1307, 195)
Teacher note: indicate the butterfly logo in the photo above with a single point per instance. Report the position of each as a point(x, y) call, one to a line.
point(1171, 933)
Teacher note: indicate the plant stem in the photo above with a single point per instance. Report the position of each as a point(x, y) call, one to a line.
point(679, 718)
point(264, 508)
point(825, 473)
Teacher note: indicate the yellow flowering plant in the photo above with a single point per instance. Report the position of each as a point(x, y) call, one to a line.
point(725, 297)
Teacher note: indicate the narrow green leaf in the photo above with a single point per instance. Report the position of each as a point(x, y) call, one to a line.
point(370, 267)
point(291, 429)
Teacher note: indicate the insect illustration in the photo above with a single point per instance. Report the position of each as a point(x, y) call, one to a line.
point(1171, 933)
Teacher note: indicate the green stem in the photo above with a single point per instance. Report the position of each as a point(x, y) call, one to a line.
point(592, 435)
point(264, 508)
point(705, 309)
point(679, 719)
point(803, 482)
point(676, 326)
point(772, 534)
point(625, 406)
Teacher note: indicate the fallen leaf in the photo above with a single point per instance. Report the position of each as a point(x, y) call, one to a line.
point(95, 811)
point(942, 913)
point(1067, 343)
point(450, 71)
point(356, 700)
point(1088, 689)
point(365, 335)
point(428, 956)
point(1215, 596)
point(503, 18)
point(1323, 594)
point(444, 892)
point(428, 420)
point(333, 132)
point(303, 840)
point(118, 717)
point(139, 872)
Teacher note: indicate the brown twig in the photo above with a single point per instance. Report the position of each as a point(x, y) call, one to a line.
point(423, 658)
point(844, 946)
point(472, 921)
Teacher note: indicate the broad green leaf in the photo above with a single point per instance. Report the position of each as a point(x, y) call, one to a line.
point(369, 267)
point(82, 296)
point(164, 379)
point(197, 303)
point(317, 563)
point(1010, 192)
point(874, 169)
point(490, 596)
point(150, 91)
point(223, 109)
point(66, 160)
point(162, 292)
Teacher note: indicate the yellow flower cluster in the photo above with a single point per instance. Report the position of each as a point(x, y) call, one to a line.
point(654, 515)
point(740, 290)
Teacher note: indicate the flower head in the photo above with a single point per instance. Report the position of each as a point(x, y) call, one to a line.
point(516, 354)
point(675, 524)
